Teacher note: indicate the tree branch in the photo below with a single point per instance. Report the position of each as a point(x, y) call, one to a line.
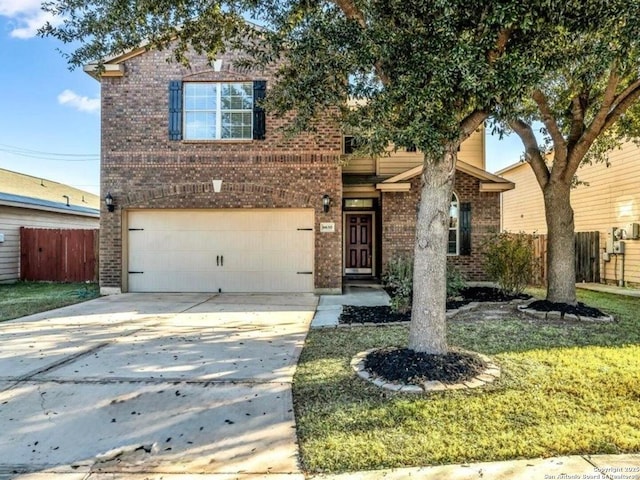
point(352, 12)
point(578, 108)
point(622, 103)
point(548, 119)
point(501, 46)
point(533, 156)
point(469, 124)
point(596, 126)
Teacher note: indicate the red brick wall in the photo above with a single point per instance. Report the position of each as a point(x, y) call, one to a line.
point(399, 216)
point(142, 168)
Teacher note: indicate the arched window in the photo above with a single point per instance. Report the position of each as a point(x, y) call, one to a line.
point(454, 225)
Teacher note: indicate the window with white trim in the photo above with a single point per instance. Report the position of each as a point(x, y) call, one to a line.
point(218, 111)
point(454, 223)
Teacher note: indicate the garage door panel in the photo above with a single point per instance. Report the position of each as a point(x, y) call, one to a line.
point(172, 281)
point(285, 282)
point(232, 240)
point(227, 250)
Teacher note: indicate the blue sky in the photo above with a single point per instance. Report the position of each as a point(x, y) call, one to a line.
point(46, 109)
point(50, 116)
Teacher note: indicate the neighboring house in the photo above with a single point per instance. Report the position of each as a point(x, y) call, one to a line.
point(211, 196)
point(609, 200)
point(34, 202)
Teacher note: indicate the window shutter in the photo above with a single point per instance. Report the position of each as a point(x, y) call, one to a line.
point(175, 110)
point(465, 229)
point(259, 121)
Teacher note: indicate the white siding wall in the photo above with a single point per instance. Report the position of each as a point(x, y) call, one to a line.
point(612, 199)
point(12, 218)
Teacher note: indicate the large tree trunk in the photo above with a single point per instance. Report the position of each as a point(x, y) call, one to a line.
point(561, 269)
point(427, 332)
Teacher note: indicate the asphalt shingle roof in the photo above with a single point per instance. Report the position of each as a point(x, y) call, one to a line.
point(26, 189)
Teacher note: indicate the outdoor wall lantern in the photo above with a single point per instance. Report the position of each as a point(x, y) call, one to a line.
point(326, 202)
point(108, 201)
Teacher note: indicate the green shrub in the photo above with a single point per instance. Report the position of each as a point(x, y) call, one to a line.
point(398, 281)
point(509, 261)
point(455, 281)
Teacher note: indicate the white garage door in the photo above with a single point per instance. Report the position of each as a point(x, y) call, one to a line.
point(256, 250)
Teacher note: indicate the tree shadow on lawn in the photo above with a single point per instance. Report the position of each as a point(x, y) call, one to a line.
point(557, 378)
point(331, 350)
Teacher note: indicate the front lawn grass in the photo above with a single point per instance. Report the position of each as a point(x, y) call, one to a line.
point(566, 389)
point(26, 298)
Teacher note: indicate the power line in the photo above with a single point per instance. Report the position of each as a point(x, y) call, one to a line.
point(51, 156)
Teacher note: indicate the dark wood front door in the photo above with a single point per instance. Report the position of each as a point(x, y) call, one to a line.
point(359, 243)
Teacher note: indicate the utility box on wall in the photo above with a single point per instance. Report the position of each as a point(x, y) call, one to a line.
point(611, 238)
point(618, 247)
point(633, 231)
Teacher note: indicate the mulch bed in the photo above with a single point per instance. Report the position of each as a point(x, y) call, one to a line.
point(406, 366)
point(580, 309)
point(383, 314)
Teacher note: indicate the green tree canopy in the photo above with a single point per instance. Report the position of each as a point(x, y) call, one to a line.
point(422, 73)
point(587, 106)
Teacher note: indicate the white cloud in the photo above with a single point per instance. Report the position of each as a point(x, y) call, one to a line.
point(13, 8)
point(26, 16)
point(83, 104)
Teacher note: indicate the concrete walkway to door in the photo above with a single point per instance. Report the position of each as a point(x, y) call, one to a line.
point(153, 386)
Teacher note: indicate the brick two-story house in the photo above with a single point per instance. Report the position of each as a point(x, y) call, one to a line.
point(210, 194)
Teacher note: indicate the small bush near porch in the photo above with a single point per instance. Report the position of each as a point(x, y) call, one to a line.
point(566, 388)
point(26, 298)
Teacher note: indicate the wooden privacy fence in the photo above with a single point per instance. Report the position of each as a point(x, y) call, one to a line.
point(587, 257)
point(540, 256)
point(58, 255)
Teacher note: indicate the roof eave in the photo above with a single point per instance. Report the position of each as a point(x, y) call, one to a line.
point(484, 176)
point(492, 187)
point(64, 210)
point(108, 70)
point(394, 187)
point(509, 168)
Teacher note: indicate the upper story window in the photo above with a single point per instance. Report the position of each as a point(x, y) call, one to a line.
point(218, 111)
point(348, 145)
point(202, 111)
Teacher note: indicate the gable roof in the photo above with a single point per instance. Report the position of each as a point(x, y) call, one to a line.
point(488, 181)
point(26, 191)
point(113, 65)
point(511, 167)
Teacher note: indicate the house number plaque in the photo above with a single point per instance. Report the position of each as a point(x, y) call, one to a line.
point(327, 227)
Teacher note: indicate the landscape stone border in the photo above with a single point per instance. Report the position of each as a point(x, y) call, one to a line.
point(557, 315)
point(489, 375)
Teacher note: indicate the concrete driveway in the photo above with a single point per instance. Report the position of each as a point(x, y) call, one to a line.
point(153, 386)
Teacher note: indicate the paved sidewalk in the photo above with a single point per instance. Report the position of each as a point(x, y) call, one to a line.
point(601, 287)
point(595, 467)
point(330, 306)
